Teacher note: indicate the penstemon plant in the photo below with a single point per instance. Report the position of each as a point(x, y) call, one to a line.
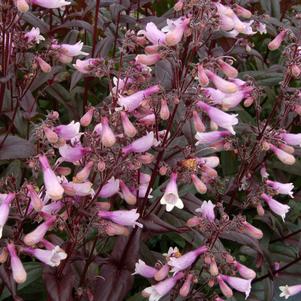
point(150, 150)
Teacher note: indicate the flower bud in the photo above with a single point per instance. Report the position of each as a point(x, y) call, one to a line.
point(146, 158)
point(230, 71)
point(221, 84)
point(203, 78)
point(64, 171)
point(193, 221)
point(87, 118)
point(113, 229)
point(3, 255)
point(164, 111)
point(198, 184)
point(51, 136)
point(19, 273)
point(260, 210)
point(197, 122)
point(283, 156)
point(127, 195)
point(242, 12)
point(162, 273)
point(252, 231)
point(36, 202)
point(213, 269)
point(83, 175)
point(248, 101)
point(22, 6)
point(226, 290)
point(276, 42)
point(101, 165)
point(296, 71)
point(185, 289)
point(128, 127)
point(179, 5)
point(148, 59)
point(45, 67)
point(287, 148)
point(108, 138)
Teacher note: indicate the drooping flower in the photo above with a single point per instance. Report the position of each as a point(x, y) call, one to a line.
point(70, 50)
point(282, 188)
point(110, 188)
point(197, 122)
point(198, 184)
point(39, 232)
point(241, 285)
point(225, 289)
point(4, 210)
point(140, 145)
point(73, 153)
point(244, 271)
point(141, 268)
point(251, 230)
point(221, 118)
point(153, 34)
point(53, 188)
point(34, 35)
point(207, 210)
point(148, 59)
point(68, 131)
point(171, 197)
point(35, 200)
point(210, 137)
point(78, 189)
point(222, 84)
point(51, 3)
point(176, 30)
point(276, 42)
point(183, 262)
point(229, 70)
point(133, 101)
point(283, 156)
point(83, 174)
point(122, 217)
point(127, 194)
point(50, 257)
point(86, 66)
point(185, 289)
point(87, 117)
point(164, 110)
point(275, 206)
point(45, 67)
point(292, 139)
point(157, 291)
point(19, 273)
point(108, 138)
point(288, 291)
point(128, 127)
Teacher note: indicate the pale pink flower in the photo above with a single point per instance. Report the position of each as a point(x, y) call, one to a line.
point(222, 119)
point(52, 257)
point(132, 102)
point(35, 200)
point(207, 210)
point(210, 137)
point(70, 50)
point(51, 3)
point(202, 76)
point(164, 110)
point(276, 42)
point(68, 131)
point(122, 217)
point(225, 289)
point(283, 156)
point(110, 188)
point(128, 127)
point(275, 206)
point(86, 66)
point(211, 161)
point(197, 122)
point(292, 139)
point(73, 153)
point(244, 271)
point(148, 59)
point(83, 174)
point(221, 84)
point(141, 268)
point(19, 273)
point(185, 289)
point(288, 291)
point(183, 262)
point(34, 35)
point(45, 67)
point(51, 182)
point(4, 210)
point(282, 188)
point(162, 273)
point(78, 189)
point(149, 119)
point(176, 30)
point(171, 197)
point(239, 284)
point(87, 117)
point(153, 34)
point(127, 195)
point(108, 138)
point(22, 6)
point(229, 70)
point(157, 291)
point(198, 184)
point(251, 230)
point(39, 232)
point(140, 145)
point(242, 12)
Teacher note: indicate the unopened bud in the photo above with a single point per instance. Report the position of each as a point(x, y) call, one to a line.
point(164, 111)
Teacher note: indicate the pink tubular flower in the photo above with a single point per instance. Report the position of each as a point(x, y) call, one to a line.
point(157, 291)
point(35, 200)
point(4, 210)
point(83, 174)
point(108, 138)
point(87, 117)
point(288, 291)
point(225, 289)
point(230, 71)
point(51, 3)
point(113, 229)
point(197, 122)
point(221, 84)
point(68, 131)
point(50, 257)
point(211, 161)
point(221, 118)
point(183, 262)
point(141, 268)
point(241, 285)
point(53, 187)
point(153, 34)
point(276, 42)
point(70, 50)
point(149, 119)
point(171, 197)
point(198, 184)
point(275, 206)
point(282, 188)
point(39, 232)
point(162, 273)
point(86, 66)
point(185, 289)
point(242, 12)
point(110, 188)
point(78, 189)
point(292, 139)
point(283, 156)
point(128, 128)
point(210, 137)
point(22, 6)
point(164, 110)
point(176, 31)
point(127, 195)
point(148, 59)
point(19, 273)
point(140, 145)
point(122, 217)
point(132, 102)
point(207, 210)
point(252, 231)
point(203, 78)
point(45, 67)
point(244, 271)
point(73, 153)
point(34, 35)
